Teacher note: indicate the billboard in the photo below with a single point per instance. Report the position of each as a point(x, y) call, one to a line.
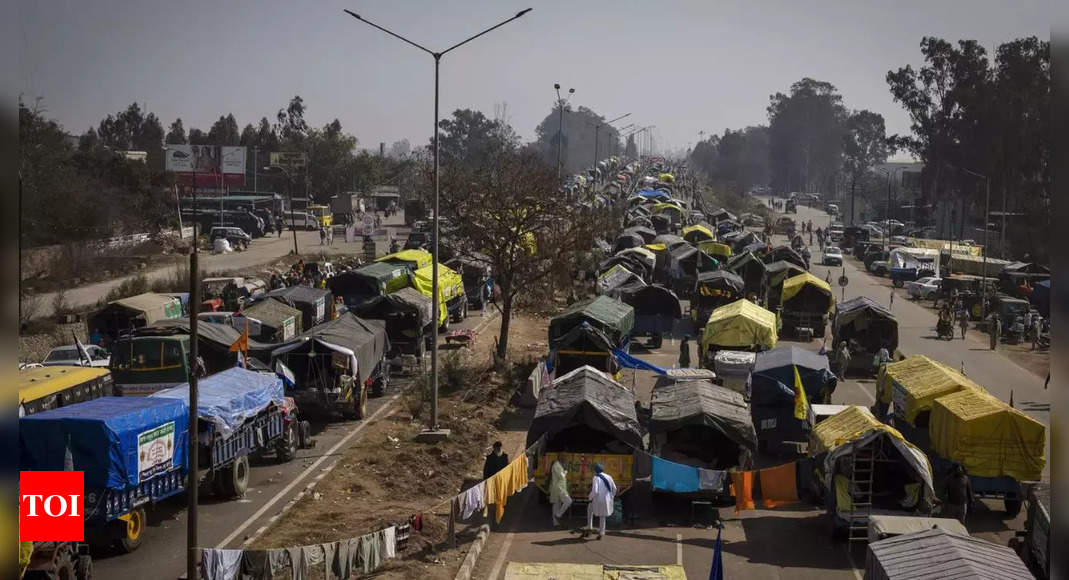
point(213, 165)
point(289, 160)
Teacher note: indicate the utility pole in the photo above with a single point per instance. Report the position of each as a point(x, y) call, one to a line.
point(193, 474)
point(560, 125)
point(987, 218)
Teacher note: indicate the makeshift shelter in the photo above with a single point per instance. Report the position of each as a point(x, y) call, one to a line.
point(805, 302)
point(670, 241)
point(1019, 275)
point(775, 274)
point(316, 305)
point(451, 298)
point(618, 278)
point(613, 318)
point(214, 339)
point(346, 345)
point(988, 437)
point(279, 322)
point(685, 262)
point(740, 239)
point(229, 398)
point(656, 308)
point(642, 254)
point(407, 314)
point(741, 325)
point(777, 366)
point(717, 250)
point(867, 327)
point(631, 262)
point(751, 269)
point(698, 233)
point(694, 422)
point(720, 215)
point(662, 223)
point(786, 254)
point(586, 411)
point(852, 440)
point(712, 290)
point(885, 526)
point(638, 220)
point(914, 383)
point(974, 265)
point(135, 312)
point(938, 554)
point(367, 282)
point(627, 240)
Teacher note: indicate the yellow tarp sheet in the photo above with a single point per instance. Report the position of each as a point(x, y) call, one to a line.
point(987, 436)
point(715, 249)
point(654, 248)
point(661, 207)
point(644, 253)
point(793, 285)
point(913, 383)
point(554, 571)
point(450, 285)
point(740, 324)
point(699, 229)
point(667, 178)
point(845, 426)
point(422, 258)
point(33, 384)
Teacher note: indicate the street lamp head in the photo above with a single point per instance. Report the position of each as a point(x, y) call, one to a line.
point(571, 91)
point(522, 12)
point(351, 13)
point(556, 86)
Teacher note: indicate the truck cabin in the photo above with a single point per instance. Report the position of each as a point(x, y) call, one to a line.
point(142, 365)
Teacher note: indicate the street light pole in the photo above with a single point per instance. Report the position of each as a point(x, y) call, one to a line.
point(597, 127)
point(434, 427)
point(987, 217)
point(560, 125)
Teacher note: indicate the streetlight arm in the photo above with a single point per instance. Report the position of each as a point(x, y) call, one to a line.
point(467, 40)
point(618, 118)
point(391, 33)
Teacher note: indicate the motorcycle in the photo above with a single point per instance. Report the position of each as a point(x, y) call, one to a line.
point(944, 329)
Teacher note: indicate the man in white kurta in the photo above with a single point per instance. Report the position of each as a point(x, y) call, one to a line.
point(558, 491)
point(602, 496)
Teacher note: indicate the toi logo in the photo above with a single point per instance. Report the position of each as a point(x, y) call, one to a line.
point(52, 506)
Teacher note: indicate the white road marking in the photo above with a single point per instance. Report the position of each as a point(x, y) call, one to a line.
point(329, 454)
point(853, 564)
point(679, 549)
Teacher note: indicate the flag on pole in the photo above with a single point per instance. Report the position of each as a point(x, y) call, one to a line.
point(285, 373)
point(801, 404)
point(717, 572)
point(241, 345)
point(83, 353)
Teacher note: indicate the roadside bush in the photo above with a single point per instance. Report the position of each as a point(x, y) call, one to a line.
point(130, 287)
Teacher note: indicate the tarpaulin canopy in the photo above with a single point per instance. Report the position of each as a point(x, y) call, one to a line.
point(218, 335)
point(364, 341)
point(629, 261)
point(698, 233)
point(408, 300)
point(741, 324)
point(810, 292)
point(368, 281)
point(750, 268)
point(229, 398)
point(719, 279)
point(700, 402)
point(784, 253)
point(105, 437)
point(617, 277)
point(1040, 297)
point(988, 437)
point(450, 287)
point(940, 554)
point(414, 259)
point(612, 317)
point(646, 233)
point(661, 221)
point(639, 220)
point(627, 240)
point(652, 300)
point(275, 315)
point(777, 366)
point(652, 193)
point(717, 249)
point(867, 323)
point(314, 304)
point(589, 397)
point(915, 382)
point(643, 254)
point(722, 214)
point(152, 306)
point(671, 241)
point(668, 207)
point(974, 265)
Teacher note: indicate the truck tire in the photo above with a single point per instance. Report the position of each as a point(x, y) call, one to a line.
point(287, 447)
point(1013, 507)
point(304, 435)
point(133, 531)
point(360, 405)
point(236, 477)
point(378, 387)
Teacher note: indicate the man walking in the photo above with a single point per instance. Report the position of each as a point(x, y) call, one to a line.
point(602, 497)
point(959, 494)
point(891, 303)
point(684, 353)
point(995, 329)
point(842, 357)
point(558, 491)
point(963, 322)
point(278, 225)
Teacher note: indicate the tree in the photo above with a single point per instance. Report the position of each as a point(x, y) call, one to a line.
point(469, 137)
point(805, 136)
point(580, 126)
point(225, 131)
point(332, 151)
point(198, 137)
point(734, 162)
point(177, 134)
point(291, 127)
point(399, 149)
point(865, 145)
point(631, 150)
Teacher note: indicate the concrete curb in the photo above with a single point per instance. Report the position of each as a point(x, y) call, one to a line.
point(468, 566)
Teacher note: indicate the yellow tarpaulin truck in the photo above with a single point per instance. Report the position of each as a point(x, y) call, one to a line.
point(452, 302)
point(741, 325)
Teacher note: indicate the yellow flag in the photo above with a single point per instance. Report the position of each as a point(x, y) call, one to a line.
point(800, 403)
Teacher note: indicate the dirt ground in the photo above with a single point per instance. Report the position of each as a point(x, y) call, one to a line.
point(387, 476)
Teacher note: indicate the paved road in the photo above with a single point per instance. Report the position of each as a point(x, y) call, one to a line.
point(791, 542)
point(271, 486)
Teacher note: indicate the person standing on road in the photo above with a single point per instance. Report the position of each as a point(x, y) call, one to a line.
point(558, 491)
point(278, 225)
point(330, 236)
point(842, 357)
point(959, 494)
point(995, 328)
point(963, 322)
point(602, 497)
point(891, 302)
point(684, 353)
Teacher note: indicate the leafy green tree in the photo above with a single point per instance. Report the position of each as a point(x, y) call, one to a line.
point(225, 131)
point(631, 150)
point(865, 145)
point(580, 126)
point(468, 137)
point(177, 134)
point(805, 136)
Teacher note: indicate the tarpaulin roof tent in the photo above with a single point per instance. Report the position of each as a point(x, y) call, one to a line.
point(315, 305)
point(777, 366)
point(586, 397)
point(661, 222)
point(653, 193)
point(364, 341)
point(629, 261)
point(136, 311)
point(699, 402)
point(627, 240)
point(274, 314)
point(775, 273)
point(722, 214)
point(988, 437)
point(940, 554)
point(715, 249)
point(642, 254)
point(865, 321)
point(807, 293)
point(367, 282)
point(638, 221)
point(698, 233)
point(414, 259)
point(750, 268)
point(671, 241)
point(882, 525)
point(229, 398)
point(915, 382)
point(974, 265)
point(741, 324)
point(405, 312)
point(647, 234)
point(617, 278)
point(219, 336)
point(652, 300)
point(783, 253)
point(612, 317)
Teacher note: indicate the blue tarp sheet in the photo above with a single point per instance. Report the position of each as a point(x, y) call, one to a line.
point(117, 441)
point(669, 476)
point(629, 362)
point(652, 193)
point(229, 398)
point(1041, 298)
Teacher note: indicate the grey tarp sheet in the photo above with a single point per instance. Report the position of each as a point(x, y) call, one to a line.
point(220, 335)
point(700, 402)
point(652, 300)
point(777, 366)
point(586, 396)
point(854, 308)
point(941, 554)
point(612, 317)
point(307, 300)
point(784, 254)
point(366, 338)
point(274, 313)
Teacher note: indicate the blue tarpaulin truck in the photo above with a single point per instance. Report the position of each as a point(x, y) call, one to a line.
point(131, 450)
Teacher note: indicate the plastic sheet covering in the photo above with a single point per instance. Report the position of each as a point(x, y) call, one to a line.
point(700, 402)
point(229, 398)
point(988, 437)
point(414, 259)
point(938, 554)
point(105, 436)
point(719, 280)
point(916, 381)
point(220, 335)
point(861, 307)
point(615, 277)
point(450, 286)
point(794, 285)
point(652, 300)
point(740, 324)
point(886, 525)
point(786, 254)
point(363, 340)
point(627, 240)
point(586, 396)
point(777, 366)
point(698, 232)
point(612, 317)
point(646, 233)
point(642, 254)
point(716, 249)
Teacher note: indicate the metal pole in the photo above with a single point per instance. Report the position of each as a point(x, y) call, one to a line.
point(887, 223)
point(1002, 233)
point(560, 132)
point(987, 216)
point(434, 259)
point(192, 556)
point(597, 128)
point(293, 216)
point(255, 168)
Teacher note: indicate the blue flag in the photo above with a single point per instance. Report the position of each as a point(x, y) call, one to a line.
point(717, 573)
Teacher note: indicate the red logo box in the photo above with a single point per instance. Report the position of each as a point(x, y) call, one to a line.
point(52, 506)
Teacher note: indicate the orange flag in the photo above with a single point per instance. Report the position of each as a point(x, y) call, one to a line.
point(242, 343)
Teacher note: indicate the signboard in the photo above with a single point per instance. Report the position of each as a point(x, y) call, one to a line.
point(155, 451)
point(213, 165)
point(289, 160)
point(843, 280)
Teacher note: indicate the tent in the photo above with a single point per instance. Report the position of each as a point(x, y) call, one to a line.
point(407, 314)
point(218, 337)
point(367, 282)
point(961, 264)
point(807, 293)
point(627, 240)
point(751, 269)
point(775, 274)
point(940, 554)
point(362, 342)
point(670, 241)
point(784, 253)
point(741, 325)
point(718, 250)
point(586, 410)
point(698, 233)
point(722, 215)
point(135, 312)
point(638, 220)
point(413, 259)
point(633, 262)
point(643, 254)
point(279, 322)
point(656, 308)
point(988, 437)
point(450, 288)
point(616, 279)
point(777, 366)
point(609, 316)
point(867, 323)
point(701, 421)
point(914, 383)
point(316, 305)
point(229, 398)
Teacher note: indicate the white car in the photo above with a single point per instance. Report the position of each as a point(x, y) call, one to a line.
point(926, 288)
point(69, 356)
point(833, 256)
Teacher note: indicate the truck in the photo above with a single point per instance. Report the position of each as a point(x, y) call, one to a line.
point(348, 203)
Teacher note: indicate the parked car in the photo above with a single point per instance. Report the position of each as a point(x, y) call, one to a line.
point(833, 256)
point(68, 356)
point(237, 237)
point(300, 219)
point(926, 288)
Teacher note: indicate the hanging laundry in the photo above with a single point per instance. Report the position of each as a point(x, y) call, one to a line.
point(390, 538)
point(314, 557)
point(711, 479)
point(220, 564)
point(338, 560)
point(505, 483)
point(298, 563)
point(352, 550)
point(779, 485)
point(330, 549)
point(417, 522)
point(277, 561)
point(742, 487)
point(471, 500)
point(370, 552)
point(254, 565)
point(670, 476)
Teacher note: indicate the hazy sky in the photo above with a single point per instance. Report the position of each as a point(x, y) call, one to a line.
point(684, 66)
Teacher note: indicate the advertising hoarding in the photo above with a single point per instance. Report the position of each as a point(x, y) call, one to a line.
point(213, 165)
